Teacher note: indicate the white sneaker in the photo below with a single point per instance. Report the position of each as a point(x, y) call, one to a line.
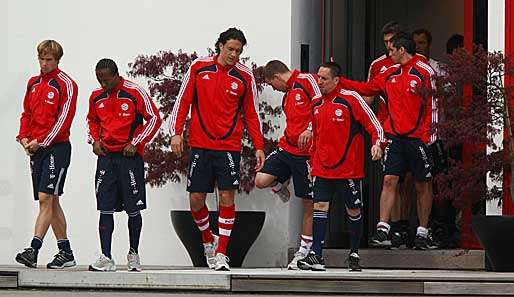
point(209, 250)
point(221, 263)
point(103, 264)
point(293, 264)
point(133, 261)
point(283, 193)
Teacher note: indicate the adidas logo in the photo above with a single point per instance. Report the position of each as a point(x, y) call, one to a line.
point(50, 186)
point(101, 105)
point(383, 69)
point(139, 202)
point(428, 175)
point(357, 201)
point(236, 182)
point(206, 77)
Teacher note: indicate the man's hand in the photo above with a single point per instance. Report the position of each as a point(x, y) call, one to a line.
point(259, 155)
point(129, 150)
point(98, 148)
point(177, 145)
point(32, 146)
point(376, 152)
point(24, 143)
point(304, 139)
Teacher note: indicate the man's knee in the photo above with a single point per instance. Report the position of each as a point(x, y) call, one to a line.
point(263, 180)
point(46, 200)
point(424, 187)
point(353, 212)
point(321, 206)
point(197, 200)
point(227, 197)
point(390, 182)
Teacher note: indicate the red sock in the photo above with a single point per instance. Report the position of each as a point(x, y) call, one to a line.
point(225, 223)
point(201, 219)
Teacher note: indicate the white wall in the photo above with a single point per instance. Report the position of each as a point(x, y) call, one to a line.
point(88, 31)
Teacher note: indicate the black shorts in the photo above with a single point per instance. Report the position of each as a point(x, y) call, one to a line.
point(347, 189)
point(120, 183)
point(209, 167)
point(408, 154)
point(48, 168)
point(284, 165)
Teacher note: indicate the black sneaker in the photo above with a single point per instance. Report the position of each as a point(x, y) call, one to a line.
point(312, 262)
point(353, 262)
point(380, 239)
point(399, 240)
point(61, 260)
point(423, 243)
point(28, 257)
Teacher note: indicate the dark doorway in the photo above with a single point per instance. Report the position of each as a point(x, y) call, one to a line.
point(352, 38)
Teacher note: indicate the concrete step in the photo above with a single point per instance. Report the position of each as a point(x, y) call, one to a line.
point(373, 281)
point(408, 259)
point(8, 279)
point(278, 280)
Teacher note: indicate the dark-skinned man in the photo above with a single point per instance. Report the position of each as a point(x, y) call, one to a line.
point(122, 118)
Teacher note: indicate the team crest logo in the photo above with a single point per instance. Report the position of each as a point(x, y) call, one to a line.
point(234, 86)
point(339, 112)
point(124, 107)
point(297, 97)
point(50, 95)
point(413, 83)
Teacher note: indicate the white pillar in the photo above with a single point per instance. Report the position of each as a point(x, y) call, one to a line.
point(495, 42)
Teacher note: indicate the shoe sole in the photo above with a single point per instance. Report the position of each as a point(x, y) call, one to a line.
point(305, 266)
point(381, 244)
point(92, 268)
point(355, 270)
point(402, 246)
point(223, 268)
point(25, 262)
point(65, 265)
point(135, 269)
point(423, 248)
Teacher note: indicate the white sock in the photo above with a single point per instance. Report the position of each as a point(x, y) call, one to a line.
point(305, 244)
point(277, 187)
point(422, 231)
point(384, 227)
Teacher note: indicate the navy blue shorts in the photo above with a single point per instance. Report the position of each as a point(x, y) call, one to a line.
point(48, 168)
point(209, 167)
point(284, 165)
point(408, 154)
point(120, 183)
point(350, 190)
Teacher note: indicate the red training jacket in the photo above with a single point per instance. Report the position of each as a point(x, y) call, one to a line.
point(410, 115)
point(220, 96)
point(296, 104)
point(378, 66)
point(117, 117)
point(338, 148)
point(48, 108)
